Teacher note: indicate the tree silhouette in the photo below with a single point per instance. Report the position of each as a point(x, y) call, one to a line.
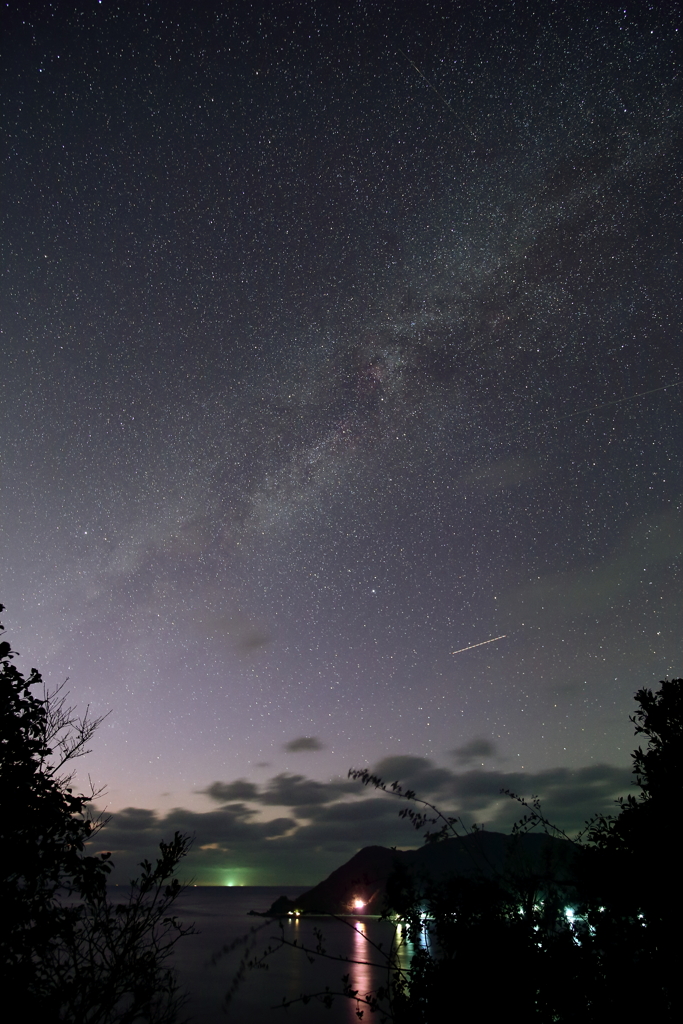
point(631, 872)
point(73, 954)
point(595, 943)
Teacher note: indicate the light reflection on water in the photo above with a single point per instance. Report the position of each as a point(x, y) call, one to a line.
point(405, 947)
point(221, 916)
point(395, 950)
point(364, 976)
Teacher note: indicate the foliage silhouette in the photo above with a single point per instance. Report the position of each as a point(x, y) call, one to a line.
point(598, 943)
point(631, 872)
point(73, 954)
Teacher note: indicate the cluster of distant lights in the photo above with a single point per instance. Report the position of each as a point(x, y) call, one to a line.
point(570, 914)
point(357, 903)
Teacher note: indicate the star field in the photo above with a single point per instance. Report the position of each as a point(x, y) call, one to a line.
point(337, 339)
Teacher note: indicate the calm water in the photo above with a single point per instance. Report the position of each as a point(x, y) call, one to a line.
point(221, 915)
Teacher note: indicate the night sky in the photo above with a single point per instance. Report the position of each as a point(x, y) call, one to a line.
point(336, 339)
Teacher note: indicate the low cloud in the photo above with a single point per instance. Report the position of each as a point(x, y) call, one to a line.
point(475, 750)
point(251, 640)
point(242, 634)
point(282, 790)
point(135, 819)
point(417, 773)
point(296, 791)
point(224, 792)
point(302, 743)
point(322, 824)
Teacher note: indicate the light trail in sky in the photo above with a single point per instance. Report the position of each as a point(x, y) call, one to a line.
point(481, 644)
point(595, 408)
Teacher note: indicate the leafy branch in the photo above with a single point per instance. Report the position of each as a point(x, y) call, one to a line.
point(418, 819)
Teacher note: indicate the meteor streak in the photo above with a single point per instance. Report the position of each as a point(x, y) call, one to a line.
point(440, 95)
point(471, 648)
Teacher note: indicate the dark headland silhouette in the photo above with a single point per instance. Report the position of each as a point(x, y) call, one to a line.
point(359, 886)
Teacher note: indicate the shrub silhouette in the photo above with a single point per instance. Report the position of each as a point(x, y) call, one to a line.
point(71, 953)
point(631, 869)
point(579, 947)
point(599, 942)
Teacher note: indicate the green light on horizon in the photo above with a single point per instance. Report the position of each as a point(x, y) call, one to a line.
point(234, 877)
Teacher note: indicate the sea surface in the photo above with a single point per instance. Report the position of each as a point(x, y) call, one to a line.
point(221, 915)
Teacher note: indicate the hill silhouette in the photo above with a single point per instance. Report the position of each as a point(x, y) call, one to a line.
point(531, 859)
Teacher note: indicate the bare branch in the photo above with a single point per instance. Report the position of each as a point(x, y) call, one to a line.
point(66, 734)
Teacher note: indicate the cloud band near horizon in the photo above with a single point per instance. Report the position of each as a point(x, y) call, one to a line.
point(241, 842)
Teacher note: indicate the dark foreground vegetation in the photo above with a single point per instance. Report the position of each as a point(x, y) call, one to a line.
point(592, 934)
point(598, 942)
point(66, 951)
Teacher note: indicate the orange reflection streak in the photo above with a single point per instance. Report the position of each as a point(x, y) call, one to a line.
point(361, 975)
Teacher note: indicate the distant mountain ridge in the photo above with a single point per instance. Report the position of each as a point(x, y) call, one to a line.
point(363, 879)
